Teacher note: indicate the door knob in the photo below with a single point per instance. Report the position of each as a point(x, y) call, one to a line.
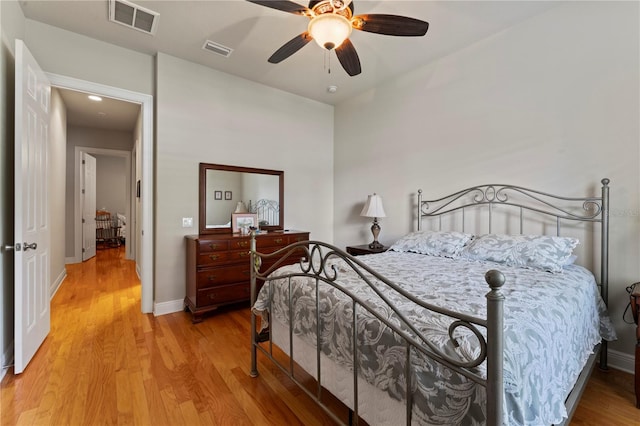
point(8, 247)
point(28, 246)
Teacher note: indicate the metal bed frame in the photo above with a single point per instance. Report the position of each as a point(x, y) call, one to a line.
point(516, 199)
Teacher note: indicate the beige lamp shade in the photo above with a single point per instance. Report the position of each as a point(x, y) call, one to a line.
point(241, 208)
point(373, 207)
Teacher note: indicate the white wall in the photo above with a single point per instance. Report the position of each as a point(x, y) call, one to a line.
point(208, 116)
point(57, 177)
point(73, 55)
point(111, 182)
point(551, 103)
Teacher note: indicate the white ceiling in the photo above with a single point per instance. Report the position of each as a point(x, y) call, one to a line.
point(254, 32)
point(112, 114)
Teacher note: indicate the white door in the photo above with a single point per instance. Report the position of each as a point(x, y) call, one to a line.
point(32, 229)
point(88, 200)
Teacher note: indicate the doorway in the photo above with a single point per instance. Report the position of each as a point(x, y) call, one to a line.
point(113, 188)
point(144, 169)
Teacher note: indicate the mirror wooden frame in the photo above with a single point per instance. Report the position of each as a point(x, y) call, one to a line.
point(202, 222)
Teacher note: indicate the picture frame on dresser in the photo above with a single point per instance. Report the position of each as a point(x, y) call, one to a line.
point(240, 221)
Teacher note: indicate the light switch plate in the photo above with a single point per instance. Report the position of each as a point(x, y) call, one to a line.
point(187, 222)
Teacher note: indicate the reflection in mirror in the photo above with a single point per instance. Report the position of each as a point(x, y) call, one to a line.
point(240, 192)
point(228, 189)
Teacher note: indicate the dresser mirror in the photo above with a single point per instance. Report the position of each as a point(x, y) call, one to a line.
point(228, 189)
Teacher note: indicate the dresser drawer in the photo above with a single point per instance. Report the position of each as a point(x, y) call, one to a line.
point(222, 257)
point(239, 243)
point(223, 294)
point(223, 275)
point(297, 238)
point(207, 246)
point(271, 241)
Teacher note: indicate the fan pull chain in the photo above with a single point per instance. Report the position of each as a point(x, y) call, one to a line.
point(327, 61)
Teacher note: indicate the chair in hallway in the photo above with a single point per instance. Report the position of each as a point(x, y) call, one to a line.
point(106, 233)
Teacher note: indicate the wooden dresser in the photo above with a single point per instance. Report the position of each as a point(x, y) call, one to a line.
point(218, 270)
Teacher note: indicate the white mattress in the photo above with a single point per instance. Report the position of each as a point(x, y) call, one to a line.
point(374, 405)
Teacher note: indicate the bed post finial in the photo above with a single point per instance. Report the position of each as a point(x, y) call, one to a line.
point(494, 278)
point(495, 347)
point(605, 181)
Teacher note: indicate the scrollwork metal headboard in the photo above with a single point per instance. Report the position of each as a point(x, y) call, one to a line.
point(561, 209)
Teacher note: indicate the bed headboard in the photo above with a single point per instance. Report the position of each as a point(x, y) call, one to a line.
point(513, 209)
point(517, 210)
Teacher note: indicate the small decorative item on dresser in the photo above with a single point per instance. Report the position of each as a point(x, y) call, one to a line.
point(240, 222)
point(373, 208)
point(365, 249)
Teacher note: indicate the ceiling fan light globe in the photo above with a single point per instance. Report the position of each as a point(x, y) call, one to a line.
point(329, 30)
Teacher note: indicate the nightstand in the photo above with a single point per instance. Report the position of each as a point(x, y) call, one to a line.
point(364, 249)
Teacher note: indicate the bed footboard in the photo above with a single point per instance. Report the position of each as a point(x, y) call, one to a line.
point(319, 267)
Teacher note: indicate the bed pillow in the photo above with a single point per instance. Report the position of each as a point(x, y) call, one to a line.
point(547, 253)
point(433, 243)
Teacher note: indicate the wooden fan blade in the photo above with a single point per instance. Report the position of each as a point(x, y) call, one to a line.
point(393, 25)
point(283, 5)
point(290, 47)
point(348, 58)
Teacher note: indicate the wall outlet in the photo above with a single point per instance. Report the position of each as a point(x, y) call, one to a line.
point(187, 222)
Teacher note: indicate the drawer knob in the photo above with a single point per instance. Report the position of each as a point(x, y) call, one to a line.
point(243, 254)
point(212, 296)
point(246, 272)
point(278, 240)
point(213, 246)
point(243, 243)
point(213, 256)
point(212, 277)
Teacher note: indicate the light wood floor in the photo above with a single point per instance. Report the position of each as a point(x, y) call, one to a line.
point(106, 363)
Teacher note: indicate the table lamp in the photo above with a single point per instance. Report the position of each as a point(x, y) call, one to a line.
point(373, 208)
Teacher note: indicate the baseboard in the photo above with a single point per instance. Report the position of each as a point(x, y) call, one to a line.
point(58, 282)
point(170, 307)
point(7, 360)
point(71, 260)
point(621, 361)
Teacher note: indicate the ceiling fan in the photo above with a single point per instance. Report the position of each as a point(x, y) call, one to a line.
point(331, 23)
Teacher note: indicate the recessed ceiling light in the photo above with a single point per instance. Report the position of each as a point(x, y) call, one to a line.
point(95, 98)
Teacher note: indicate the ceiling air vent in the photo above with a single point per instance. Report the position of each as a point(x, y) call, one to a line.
point(133, 16)
point(214, 47)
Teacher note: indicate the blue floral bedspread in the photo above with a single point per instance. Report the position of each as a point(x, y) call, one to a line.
point(552, 322)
